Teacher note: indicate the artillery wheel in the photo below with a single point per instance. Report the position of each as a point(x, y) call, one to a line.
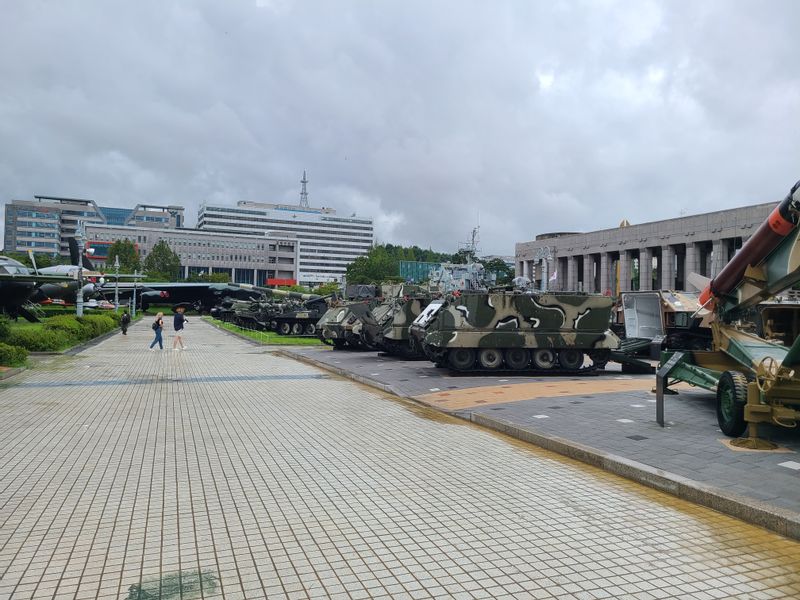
point(461, 359)
point(544, 358)
point(284, 328)
point(517, 359)
point(490, 358)
point(731, 398)
point(297, 328)
point(311, 329)
point(570, 359)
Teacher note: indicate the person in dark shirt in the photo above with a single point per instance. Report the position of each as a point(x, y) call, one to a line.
point(178, 322)
point(124, 322)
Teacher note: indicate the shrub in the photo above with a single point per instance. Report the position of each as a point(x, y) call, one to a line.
point(40, 340)
point(5, 327)
point(96, 325)
point(70, 325)
point(12, 356)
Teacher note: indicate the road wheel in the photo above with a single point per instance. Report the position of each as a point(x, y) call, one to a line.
point(285, 328)
point(490, 358)
point(571, 359)
point(517, 358)
point(461, 359)
point(297, 328)
point(731, 398)
point(311, 329)
point(544, 358)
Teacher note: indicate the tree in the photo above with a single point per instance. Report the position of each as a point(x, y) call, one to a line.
point(499, 267)
point(42, 259)
point(327, 288)
point(162, 263)
point(128, 256)
point(209, 277)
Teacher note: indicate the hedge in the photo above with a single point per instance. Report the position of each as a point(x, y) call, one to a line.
point(62, 331)
point(12, 356)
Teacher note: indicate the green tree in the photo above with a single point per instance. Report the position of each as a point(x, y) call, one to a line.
point(327, 288)
point(209, 277)
point(128, 256)
point(497, 266)
point(162, 263)
point(382, 263)
point(42, 260)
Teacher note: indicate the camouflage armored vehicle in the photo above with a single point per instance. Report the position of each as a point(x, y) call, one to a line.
point(546, 332)
point(342, 326)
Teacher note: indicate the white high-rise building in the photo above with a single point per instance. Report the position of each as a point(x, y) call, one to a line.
point(327, 243)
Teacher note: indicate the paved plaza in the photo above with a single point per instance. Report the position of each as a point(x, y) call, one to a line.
point(613, 413)
point(226, 471)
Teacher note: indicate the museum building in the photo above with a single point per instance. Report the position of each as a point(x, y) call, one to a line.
point(608, 261)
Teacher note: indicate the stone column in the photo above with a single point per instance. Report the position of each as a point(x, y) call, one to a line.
point(717, 260)
point(645, 269)
point(667, 267)
point(572, 272)
point(624, 271)
point(588, 273)
point(690, 263)
point(605, 284)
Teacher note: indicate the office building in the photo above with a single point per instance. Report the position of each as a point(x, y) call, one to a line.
point(46, 223)
point(260, 260)
point(327, 242)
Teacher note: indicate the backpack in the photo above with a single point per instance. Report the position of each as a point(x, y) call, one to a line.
point(155, 325)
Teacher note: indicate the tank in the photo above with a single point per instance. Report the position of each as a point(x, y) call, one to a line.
point(544, 332)
point(342, 326)
point(299, 312)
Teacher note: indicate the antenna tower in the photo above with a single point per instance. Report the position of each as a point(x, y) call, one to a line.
point(304, 191)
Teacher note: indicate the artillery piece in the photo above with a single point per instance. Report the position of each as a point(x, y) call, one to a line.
point(300, 312)
point(756, 381)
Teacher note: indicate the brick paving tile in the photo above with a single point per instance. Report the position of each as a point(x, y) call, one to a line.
point(227, 472)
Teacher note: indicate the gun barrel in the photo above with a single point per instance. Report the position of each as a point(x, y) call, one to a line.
point(276, 292)
point(781, 222)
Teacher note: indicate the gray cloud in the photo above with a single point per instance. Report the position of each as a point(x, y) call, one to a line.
point(530, 116)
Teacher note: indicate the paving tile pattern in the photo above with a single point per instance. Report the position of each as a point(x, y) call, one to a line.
point(226, 472)
point(621, 423)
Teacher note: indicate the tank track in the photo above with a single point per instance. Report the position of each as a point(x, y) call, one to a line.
point(439, 358)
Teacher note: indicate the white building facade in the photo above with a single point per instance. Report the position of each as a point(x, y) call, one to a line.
point(327, 242)
point(260, 260)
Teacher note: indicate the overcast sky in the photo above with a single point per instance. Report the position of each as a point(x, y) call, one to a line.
point(525, 116)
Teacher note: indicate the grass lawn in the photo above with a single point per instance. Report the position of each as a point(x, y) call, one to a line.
point(268, 338)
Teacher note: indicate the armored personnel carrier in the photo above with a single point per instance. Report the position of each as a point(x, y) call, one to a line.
point(295, 313)
point(544, 332)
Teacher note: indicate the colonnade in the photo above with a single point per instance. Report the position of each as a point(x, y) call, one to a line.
point(626, 269)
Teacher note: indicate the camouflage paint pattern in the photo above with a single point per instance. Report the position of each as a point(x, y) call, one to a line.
point(511, 320)
point(345, 324)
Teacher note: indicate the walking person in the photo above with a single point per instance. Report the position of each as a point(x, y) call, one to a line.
point(158, 328)
point(178, 322)
point(124, 322)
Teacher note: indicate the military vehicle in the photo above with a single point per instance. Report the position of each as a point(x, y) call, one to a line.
point(545, 332)
point(342, 326)
point(299, 312)
point(756, 381)
point(393, 320)
point(662, 319)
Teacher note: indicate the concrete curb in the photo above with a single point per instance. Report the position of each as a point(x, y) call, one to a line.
point(781, 521)
point(10, 372)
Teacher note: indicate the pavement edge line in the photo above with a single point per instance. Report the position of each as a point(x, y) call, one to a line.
point(783, 522)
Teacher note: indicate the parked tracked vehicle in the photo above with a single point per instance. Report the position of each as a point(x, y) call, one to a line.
point(300, 312)
point(545, 332)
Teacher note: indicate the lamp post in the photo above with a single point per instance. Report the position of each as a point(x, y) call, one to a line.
point(133, 303)
point(116, 283)
point(79, 239)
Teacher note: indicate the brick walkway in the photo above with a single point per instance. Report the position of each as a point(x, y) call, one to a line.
point(224, 471)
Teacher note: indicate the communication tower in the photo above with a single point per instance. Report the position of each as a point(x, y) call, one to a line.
point(303, 191)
